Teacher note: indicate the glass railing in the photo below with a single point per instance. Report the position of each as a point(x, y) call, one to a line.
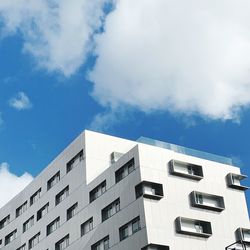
point(186, 151)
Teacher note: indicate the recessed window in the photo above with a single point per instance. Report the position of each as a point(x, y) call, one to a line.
point(28, 224)
point(5, 221)
point(125, 170)
point(35, 196)
point(63, 243)
point(10, 237)
point(53, 226)
point(243, 234)
point(41, 212)
point(155, 247)
point(101, 244)
point(130, 228)
point(53, 180)
point(23, 247)
point(149, 190)
point(193, 227)
point(87, 226)
point(34, 240)
point(97, 191)
point(74, 161)
point(111, 209)
point(20, 210)
point(234, 181)
point(185, 169)
point(207, 201)
point(62, 195)
point(72, 211)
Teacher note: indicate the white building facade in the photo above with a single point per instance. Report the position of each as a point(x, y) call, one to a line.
point(104, 192)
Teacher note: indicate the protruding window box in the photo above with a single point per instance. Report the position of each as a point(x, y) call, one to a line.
point(185, 169)
point(193, 227)
point(233, 181)
point(149, 190)
point(155, 247)
point(243, 234)
point(207, 201)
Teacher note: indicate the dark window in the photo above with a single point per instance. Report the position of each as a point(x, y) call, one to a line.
point(53, 180)
point(28, 224)
point(62, 195)
point(125, 170)
point(20, 210)
point(101, 244)
point(53, 225)
point(130, 228)
point(97, 191)
point(23, 247)
point(5, 221)
point(41, 212)
point(35, 196)
point(149, 190)
point(72, 211)
point(87, 226)
point(63, 243)
point(34, 240)
point(74, 161)
point(10, 237)
point(111, 209)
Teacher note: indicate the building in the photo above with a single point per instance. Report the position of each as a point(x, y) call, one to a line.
point(104, 192)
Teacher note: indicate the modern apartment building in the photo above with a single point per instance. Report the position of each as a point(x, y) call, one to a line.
point(104, 192)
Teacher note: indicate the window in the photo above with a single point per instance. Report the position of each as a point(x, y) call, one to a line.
point(20, 210)
point(130, 228)
point(10, 237)
point(193, 227)
point(41, 212)
point(185, 169)
point(35, 196)
point(72, 211)
point(62, 195)
point(23, 247)
point(125, 170)
point(28, 224)
point(155, 247)
point(34, 240)
point(149, 190)
point(87, 226)
point(97, 191)
point(234, 181)
point(111, 209)
point(53, 180)
point(74, 161)
point(243, 234)
point(5, 221)
point(63, 243)
point(207, 201)
point(101, 244)
point(53, 225)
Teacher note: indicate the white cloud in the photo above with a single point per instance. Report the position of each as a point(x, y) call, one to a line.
point(56, 33)
point(20, 101)
point(183, 56)
point(10, 184)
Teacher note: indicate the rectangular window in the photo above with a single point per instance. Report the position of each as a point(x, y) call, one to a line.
point(87, 226)
point(10, 237)
point(41, 212)
point(149, 190)
point(74, 161)
point(53, 180)
point(23, 247)
point(111, 209)
point(63, 243)
point(97, 191)
point(101, 244)
point(72, 211)
point(243, 234)
point(125, 170)
point(53, 226)
point(62, 195)
point(35, 196)
point(130, 228)
point(234, 181)
point(28, 224)
point(20, 210)
point(5, 221)
point(34, 240)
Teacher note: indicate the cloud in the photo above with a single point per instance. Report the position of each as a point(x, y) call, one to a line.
point(56, 33)
point(10, 184)
point(20, 101)
point(181, 56)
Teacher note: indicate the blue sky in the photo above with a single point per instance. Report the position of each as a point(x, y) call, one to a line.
point(129, 71)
